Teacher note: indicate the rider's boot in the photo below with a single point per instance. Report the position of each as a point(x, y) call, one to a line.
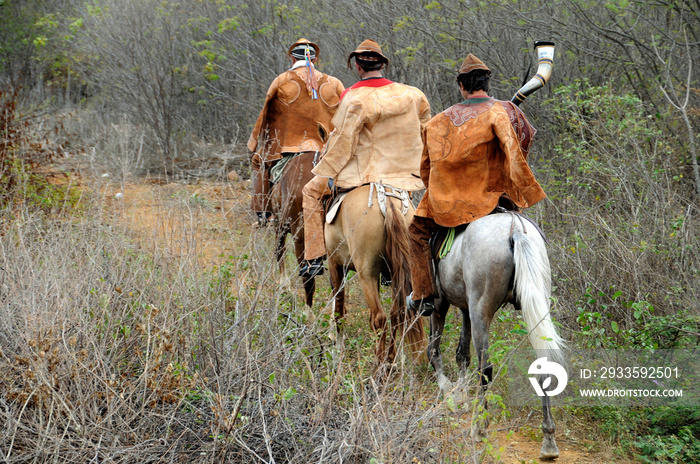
point(263, 218)
point(424, 307)
point(311, 268)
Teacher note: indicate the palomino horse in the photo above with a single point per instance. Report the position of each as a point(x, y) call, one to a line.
point(498, 259)
point(361, 239)
point(287, 200)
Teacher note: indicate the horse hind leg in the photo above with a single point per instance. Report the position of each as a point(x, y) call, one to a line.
point(549, 450)
point(378, 320)
point(308, 282)
point(480, 317)
point(437, 326)
point(463, 355)
point(337, 276)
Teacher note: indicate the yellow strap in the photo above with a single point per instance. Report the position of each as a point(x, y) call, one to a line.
point(446, 245)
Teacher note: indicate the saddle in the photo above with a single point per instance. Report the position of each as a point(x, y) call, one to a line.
point(332, 204)
point(277, 171)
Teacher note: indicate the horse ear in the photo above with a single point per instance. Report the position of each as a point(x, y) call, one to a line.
point(323, 132)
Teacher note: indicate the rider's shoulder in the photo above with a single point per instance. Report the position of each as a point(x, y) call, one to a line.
point(332, 79)
point(401, 91)
point(438, 119)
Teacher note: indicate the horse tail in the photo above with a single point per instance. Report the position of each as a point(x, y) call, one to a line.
point(533, 287)
point(397, 250)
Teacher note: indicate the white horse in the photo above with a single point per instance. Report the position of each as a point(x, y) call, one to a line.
point(498, 259)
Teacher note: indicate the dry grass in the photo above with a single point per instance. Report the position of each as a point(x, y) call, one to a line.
point(126, 338)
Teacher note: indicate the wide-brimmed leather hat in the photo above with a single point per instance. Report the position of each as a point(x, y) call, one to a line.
point(307, 42)
point(472, 63)
point(370, 51)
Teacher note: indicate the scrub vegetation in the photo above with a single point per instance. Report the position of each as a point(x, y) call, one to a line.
point(149, 326)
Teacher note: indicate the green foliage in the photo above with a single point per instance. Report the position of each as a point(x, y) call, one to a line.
point(55, 53)
point(674, 419)
point(22, 183)
point(667, 434)
point(599, 132)
point(617, 187)
point(600, 326)
point(16, 39)
point(682, 448)
point(35, 192)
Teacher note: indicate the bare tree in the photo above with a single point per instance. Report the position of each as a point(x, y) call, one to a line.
point(680, 102)
point(136, 53)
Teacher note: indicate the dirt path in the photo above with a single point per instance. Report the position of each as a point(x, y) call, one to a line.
point(212, 220)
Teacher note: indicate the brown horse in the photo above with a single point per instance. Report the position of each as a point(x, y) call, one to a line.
point(361, 239)
point(287, 200)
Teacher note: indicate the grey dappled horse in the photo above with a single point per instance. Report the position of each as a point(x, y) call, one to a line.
point(498, 259)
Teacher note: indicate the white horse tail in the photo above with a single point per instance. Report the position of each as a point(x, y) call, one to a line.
point(533, 287)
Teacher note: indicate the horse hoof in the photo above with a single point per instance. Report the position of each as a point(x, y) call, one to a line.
point(549, 456)
point(444, 384)
point(549, 450)
point(309, 315)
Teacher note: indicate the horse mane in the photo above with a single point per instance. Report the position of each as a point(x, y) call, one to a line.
point(397, 251)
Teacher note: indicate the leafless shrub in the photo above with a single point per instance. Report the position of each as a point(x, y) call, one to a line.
point(125, 347)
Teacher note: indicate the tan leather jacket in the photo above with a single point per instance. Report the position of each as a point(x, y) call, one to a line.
point(377, 136)
point(472, 156)
point(288, 122)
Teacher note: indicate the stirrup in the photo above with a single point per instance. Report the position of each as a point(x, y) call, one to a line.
point(263, 218)
point(311, 268)
point(423, 307)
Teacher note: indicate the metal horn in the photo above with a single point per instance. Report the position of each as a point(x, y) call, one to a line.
point(545, 59)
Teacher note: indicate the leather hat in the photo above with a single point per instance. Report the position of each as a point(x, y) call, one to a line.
point(303, 41)
point(370, 51)
point(472, 63)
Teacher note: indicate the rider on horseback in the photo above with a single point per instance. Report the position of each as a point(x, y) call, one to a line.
point(377, 138)
point(471, 158)
point(297, 102)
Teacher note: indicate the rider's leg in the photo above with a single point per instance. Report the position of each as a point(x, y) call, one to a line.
point(314, 243)
point(424, 292)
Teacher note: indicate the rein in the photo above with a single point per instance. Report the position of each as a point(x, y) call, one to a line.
point(277, 170)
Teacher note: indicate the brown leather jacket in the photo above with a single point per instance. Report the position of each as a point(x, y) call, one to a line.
point(471, 157)
point(377, 136)
point(288, 122)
